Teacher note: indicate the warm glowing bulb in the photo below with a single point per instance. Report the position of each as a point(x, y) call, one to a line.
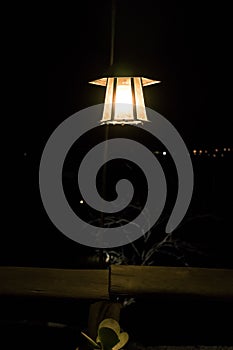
point(123, 99)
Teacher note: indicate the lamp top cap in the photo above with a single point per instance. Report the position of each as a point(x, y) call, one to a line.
point(123, 70)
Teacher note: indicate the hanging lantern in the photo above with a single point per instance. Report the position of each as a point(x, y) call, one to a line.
point(124, 101)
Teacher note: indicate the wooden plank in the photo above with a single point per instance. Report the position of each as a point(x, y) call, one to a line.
point(61, 283)
point(124, 281)
point(152, 280)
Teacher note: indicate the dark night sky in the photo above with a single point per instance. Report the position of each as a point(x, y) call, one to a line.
point(55, 51)
point(185, 45)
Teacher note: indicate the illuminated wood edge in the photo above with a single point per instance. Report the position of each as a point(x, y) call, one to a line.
point(152, 281)
point(47, 282)
point(117, 281)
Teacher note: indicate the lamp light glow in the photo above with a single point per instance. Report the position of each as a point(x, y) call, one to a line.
point(124, 100)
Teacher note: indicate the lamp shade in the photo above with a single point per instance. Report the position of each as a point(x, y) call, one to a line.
point(124, 100)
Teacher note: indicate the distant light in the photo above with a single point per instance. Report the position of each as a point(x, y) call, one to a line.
point(222, 155)
point(107, 259)
point(200, 151)
point(206, 151)
point(224, 149)
point(216, 149)
point(214, 155)
point(229, 149)
point(81, 201)
point(164, 153)
point(156, 152)
point(194, 151)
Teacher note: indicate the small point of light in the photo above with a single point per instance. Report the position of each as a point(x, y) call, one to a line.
point(206, 151)
point(156, 152)
point(222, 155)
point(194, 151)
point(164, 153)
point(81, 201)
point(214, 155)
point(224, 149)
point(229, 149)
point(200, 151)
point(216, 149)
point(107, 259)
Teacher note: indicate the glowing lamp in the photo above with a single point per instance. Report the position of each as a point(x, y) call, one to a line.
point(124, 101)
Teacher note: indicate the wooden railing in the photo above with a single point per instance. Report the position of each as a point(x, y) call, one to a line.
point(117, 281)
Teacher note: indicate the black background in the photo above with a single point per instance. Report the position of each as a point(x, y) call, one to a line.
point(51, 54)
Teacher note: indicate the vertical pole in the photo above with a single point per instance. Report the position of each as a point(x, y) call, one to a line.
point(113, 20)
point(113, 31)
